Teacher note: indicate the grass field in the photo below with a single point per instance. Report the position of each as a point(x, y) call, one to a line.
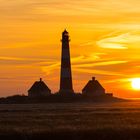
point(75, 121)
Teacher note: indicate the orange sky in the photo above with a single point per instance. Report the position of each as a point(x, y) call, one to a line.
point(105, 43)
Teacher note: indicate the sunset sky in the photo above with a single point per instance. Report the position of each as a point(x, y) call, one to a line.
point(105, 43)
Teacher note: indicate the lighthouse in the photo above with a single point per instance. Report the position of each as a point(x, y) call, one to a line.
point(66, 87)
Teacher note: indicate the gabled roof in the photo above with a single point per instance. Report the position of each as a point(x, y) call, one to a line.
point(39, 86)
point(93, 85)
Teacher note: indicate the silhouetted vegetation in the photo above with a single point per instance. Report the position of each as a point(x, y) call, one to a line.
point(56, 98)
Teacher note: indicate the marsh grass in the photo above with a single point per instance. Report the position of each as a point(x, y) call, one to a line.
point(71, 121)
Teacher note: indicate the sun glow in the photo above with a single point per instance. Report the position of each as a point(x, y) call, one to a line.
point(136, 83)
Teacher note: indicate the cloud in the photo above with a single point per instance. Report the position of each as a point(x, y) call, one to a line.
point(51, 68)
point(24, 61)
point(118, 42)
point(95, 72)
point(86, 64)
point(11, 58)
point(98, 10)
point(100, 66)
point(118, 80)
point(103, 63)
point(97, 63)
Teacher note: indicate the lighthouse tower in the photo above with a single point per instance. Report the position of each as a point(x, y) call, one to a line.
point(66, 87)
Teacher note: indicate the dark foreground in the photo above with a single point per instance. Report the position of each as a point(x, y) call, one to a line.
point(70, 121)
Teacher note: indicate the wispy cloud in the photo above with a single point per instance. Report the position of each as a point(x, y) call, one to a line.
point(86, 64)
point(25, 61)
point(51, 68)
point(105, 63)
point(95, 72)
point(118, 42)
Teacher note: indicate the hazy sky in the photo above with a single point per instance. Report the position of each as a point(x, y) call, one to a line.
point(105, 43)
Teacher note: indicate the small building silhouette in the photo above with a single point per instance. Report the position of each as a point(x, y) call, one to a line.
point(93, 88)
point(39, 89)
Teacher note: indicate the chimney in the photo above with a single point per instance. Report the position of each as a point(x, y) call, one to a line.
point(40, 79)
point(93, 78)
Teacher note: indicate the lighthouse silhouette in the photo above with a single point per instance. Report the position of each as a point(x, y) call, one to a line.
point(66, 87)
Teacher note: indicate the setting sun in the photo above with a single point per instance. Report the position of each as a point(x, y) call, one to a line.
point(136, 83)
